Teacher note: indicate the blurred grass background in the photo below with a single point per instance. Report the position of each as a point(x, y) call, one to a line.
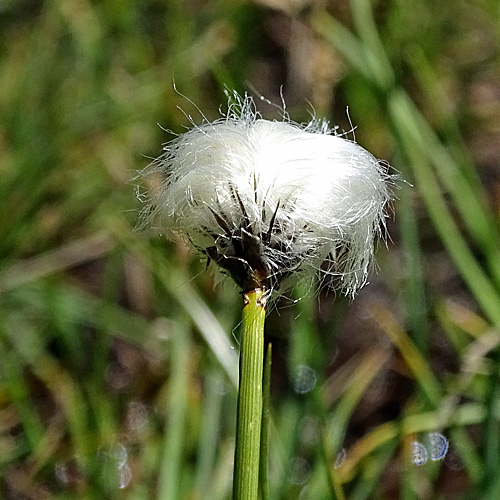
point(117, 351)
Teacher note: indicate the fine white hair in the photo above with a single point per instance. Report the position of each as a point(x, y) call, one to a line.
point(270, 200)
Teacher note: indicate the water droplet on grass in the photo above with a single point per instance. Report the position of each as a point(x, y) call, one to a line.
point(115, 455)
point(119, 454)
point(438, 445)
point(418, 453)
point(67, 472)
point(137, 415)
point(124, 476)
point(304, 379)
point(115, 469)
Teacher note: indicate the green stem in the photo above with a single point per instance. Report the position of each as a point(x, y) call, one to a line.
point(249, 419)
point(266, 414)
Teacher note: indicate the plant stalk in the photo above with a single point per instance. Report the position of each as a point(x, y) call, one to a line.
point(249, 417)
point(266, 415)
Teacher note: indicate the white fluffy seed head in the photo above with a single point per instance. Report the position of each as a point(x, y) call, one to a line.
point(269, 200)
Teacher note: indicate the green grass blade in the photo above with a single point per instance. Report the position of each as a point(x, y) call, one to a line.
point(209, 434)
point(171, 466)
point(413, 276)
point(402, 113)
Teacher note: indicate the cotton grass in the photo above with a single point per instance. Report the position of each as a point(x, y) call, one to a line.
point(270, 200)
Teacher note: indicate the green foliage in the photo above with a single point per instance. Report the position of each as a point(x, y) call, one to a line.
point(118, 364)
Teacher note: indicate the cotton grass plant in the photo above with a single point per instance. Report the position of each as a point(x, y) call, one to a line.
point(269, 203)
